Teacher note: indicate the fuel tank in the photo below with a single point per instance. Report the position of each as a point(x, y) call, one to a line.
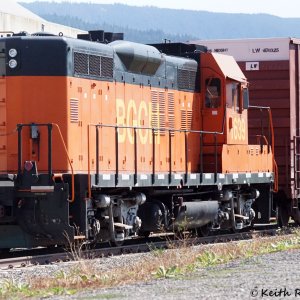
point(195, 214)
point(156, 216)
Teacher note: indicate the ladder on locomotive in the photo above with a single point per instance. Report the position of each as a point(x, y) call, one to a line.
point(296, 150)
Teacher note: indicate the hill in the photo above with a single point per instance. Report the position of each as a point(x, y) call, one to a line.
point(152, 24)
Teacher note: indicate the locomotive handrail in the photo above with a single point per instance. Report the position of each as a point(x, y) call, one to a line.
point(259, 107)
point(19, 129)
point(49, 126)
point(275, 167)
point(153, 130)
point(260, 137)
point(158, 129)
point(70, 163)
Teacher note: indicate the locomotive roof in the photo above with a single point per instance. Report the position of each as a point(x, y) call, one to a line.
point(50, 55)
point(229, 67)
point(125, 50)
point(94, 46)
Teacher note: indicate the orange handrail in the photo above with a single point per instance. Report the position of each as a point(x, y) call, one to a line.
point(258, 136)
point(72, 171)
point(89, 166)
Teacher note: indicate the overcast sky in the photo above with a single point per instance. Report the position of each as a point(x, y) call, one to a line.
point(282, 8)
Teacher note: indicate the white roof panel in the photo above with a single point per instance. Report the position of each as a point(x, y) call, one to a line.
point(13, 8)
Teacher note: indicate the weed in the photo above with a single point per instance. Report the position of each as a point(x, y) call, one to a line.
point(171, 272)
point(209, 258)
point(190, 268)
point(61, 275)
point(9, 287)
point(159, 263)
point(157, 251)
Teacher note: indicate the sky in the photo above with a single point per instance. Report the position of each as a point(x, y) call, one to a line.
point(285, 9)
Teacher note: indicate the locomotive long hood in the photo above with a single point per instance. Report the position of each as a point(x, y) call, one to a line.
point(228, 67)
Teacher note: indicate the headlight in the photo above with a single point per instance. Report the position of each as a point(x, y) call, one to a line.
point(12, 52)
point(12, 63)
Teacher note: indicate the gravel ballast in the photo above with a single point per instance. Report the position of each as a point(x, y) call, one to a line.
point(275, 275)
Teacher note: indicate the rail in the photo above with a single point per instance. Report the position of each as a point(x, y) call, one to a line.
point(29, 258)
point(153, 131)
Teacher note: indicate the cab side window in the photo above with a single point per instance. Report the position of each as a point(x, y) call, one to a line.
point(236, 96)
point(213, 93)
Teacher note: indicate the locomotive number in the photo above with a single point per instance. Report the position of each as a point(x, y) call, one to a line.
point(238, 131)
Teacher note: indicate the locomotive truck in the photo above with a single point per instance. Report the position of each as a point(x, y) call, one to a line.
point(100, 142)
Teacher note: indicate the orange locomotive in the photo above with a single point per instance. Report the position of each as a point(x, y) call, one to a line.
point(104, 141)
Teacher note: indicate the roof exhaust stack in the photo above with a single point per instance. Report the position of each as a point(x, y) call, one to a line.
point(100, 36)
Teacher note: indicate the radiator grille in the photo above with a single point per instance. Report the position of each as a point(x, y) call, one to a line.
point(171, 111)
point(74, 110)
point(162, 112)
point(107, 65)
point(93, 65)
point(186, 119)
point(158, 105)
point(186, 79)
point(155, 110)
point(81, 63)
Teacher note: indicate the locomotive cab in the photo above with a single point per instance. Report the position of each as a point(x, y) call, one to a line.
point(225, 103)
point(222, 98)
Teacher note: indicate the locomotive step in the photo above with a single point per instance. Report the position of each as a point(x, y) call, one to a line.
point(124, 226)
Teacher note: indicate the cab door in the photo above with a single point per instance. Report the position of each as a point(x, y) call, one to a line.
point(212, 123)
point(213, 109)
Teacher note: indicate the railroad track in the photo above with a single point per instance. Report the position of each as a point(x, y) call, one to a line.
point(134, 246)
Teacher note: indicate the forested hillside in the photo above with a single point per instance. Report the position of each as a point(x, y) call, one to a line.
point(151, 24)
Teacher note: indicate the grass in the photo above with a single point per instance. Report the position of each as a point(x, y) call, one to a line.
point(159, 264)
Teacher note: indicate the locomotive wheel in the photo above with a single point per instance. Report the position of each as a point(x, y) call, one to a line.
point(204, 231)
point(116, 243)
point(144, 234)
point(296, 215)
